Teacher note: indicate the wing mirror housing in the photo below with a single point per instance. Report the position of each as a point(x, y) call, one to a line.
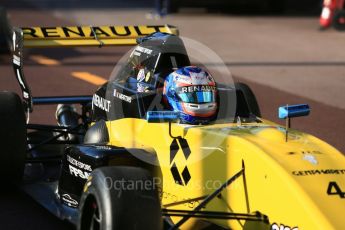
point(290, 111)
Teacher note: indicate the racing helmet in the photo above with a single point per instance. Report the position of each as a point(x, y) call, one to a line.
point(191, 91)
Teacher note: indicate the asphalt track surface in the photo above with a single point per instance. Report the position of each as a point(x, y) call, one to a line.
point(52, 72)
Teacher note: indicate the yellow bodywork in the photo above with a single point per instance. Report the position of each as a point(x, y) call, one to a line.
point(287, 181)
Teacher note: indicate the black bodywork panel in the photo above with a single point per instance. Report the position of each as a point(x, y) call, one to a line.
point(135, 107)
point(80, 160)
point(58, 181)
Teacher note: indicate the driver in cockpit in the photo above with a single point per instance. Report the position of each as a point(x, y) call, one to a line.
point(192, 92)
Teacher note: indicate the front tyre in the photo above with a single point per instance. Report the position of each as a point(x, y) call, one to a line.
point(117, 198)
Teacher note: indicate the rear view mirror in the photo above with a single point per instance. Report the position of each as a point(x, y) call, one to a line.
point(162, 116)
point(290, 111)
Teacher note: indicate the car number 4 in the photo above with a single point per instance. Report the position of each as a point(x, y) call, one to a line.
point(334, 189)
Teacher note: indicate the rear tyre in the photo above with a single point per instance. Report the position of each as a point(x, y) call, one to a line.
point(117, 198)
point(250, 98)
point(339, 20)
point(12, 137)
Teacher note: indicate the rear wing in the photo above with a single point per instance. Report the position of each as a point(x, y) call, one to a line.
point(89, 35)
point(74, 36)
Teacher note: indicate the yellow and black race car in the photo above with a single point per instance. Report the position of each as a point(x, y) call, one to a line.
point(126, 162)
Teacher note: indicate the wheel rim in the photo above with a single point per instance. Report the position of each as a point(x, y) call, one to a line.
point(91, 216)
point(95, 223)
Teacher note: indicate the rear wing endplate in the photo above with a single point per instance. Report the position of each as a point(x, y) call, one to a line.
point(74, 36)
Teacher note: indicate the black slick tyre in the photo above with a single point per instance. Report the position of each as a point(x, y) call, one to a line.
point(12, 137)
point(116, 198)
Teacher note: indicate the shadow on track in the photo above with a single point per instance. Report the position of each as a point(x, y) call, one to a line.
point(21, 212)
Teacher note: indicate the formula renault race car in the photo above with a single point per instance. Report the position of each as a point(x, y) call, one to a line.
point(126, 162)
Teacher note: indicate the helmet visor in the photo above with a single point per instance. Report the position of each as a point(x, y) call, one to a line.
point(197, 97)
